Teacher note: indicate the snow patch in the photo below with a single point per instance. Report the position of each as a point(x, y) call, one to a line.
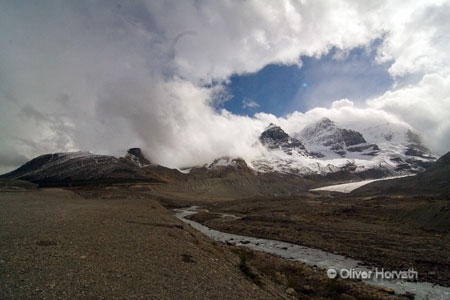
point(351, 186)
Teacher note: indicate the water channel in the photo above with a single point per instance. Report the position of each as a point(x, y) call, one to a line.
point(317, 257)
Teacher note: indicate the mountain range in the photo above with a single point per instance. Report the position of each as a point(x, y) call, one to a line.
point(321, 149)
point(324, 148)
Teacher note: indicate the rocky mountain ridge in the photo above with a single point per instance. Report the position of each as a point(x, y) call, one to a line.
point(83, 168)
point(275, 138)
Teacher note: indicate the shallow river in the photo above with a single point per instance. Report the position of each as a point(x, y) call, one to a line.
point(322, 259)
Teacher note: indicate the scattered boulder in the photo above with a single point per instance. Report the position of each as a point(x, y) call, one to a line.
point(346, 297)
point(291, 292)
point(388, 290)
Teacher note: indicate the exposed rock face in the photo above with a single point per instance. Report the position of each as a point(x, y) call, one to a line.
point(275, 138)
point(415, 146)
point(351, 137)
point(137, 157)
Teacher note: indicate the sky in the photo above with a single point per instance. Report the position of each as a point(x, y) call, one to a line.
point(189, 81)
point(282, 89)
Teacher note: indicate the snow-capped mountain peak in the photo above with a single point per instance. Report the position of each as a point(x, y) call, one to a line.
point(324, 147)
point(328, 140)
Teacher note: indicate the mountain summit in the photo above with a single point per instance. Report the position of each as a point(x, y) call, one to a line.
point(274, 138)
point(326, 138)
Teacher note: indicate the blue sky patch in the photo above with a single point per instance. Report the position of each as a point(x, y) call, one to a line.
point(281, 89)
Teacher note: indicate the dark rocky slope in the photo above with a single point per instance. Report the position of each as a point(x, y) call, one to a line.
point(433, 181)
point(83, 168)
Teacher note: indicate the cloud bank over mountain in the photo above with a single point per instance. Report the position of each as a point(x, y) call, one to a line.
point(105, 76)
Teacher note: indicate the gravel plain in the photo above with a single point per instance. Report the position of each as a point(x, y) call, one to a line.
point(56, 244)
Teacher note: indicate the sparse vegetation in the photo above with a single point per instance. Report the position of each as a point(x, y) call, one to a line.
point(301, 281)
point(248, 271)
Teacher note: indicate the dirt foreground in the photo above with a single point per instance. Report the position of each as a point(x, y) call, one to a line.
point(55, 244)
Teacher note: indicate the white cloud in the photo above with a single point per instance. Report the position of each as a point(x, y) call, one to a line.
point(244, 36)
point(105, 76)
point(178, 128)
point(341, 103)
point(249, 103)
point(343, 112)
point(425, 106)
point(418, 37)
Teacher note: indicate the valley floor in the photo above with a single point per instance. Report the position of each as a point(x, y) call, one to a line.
point(121, 243)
